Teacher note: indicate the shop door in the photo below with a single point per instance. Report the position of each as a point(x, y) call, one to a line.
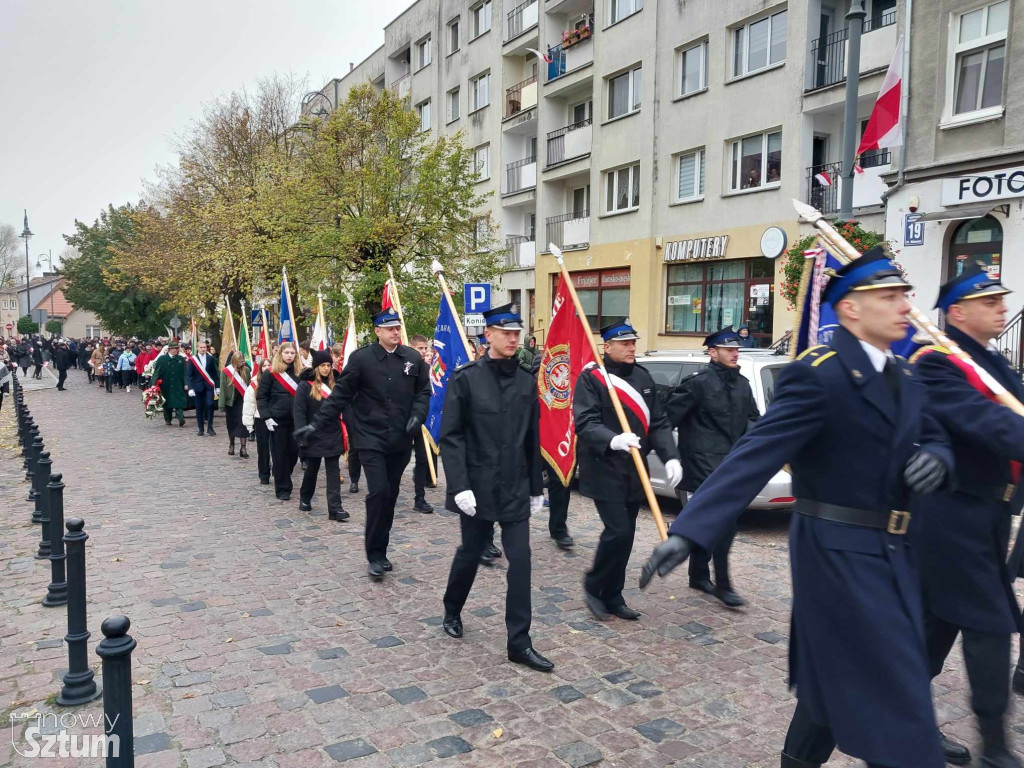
point(976, 241)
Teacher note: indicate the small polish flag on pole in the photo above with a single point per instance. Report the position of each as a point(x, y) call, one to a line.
point(884, 126)
point(823, 179)
point(542, 56)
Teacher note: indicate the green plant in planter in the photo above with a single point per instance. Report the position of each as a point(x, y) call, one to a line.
point(793, 267)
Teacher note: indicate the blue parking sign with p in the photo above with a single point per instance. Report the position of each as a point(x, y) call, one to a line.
point(477, 297)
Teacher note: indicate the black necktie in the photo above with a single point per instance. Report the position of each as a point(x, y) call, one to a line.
point(892, 378)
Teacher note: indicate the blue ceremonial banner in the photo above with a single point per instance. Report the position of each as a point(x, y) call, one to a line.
point(285, 332)
point(817, 319)
point(449, 354)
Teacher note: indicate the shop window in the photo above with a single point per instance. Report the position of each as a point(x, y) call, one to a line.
point(604, 294)
point(976, 241)
point(704, 297)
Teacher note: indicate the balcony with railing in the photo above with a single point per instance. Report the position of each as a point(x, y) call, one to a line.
point(569, 231)
point(520, 97)
point(828, 54)
point(521, 252)
point(520, 176)
point(824, 183)
point(403, 81)
point(569, 143)
point(521, 18)
point(576, 50)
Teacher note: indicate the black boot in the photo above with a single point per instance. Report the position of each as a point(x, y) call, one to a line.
point(995, 753)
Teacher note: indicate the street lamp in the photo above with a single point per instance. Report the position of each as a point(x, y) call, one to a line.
point(49, 263)
point(26, 235)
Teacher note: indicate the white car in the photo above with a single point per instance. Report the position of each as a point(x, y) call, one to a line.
point(759, 366)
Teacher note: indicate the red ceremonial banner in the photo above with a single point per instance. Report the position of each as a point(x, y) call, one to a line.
point(566, 353)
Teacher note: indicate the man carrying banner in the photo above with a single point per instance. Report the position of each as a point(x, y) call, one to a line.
point(607, 473)
point(849, 419)
point(962, 534)
point(384, 392)
point(202, 385)
point(491, 451)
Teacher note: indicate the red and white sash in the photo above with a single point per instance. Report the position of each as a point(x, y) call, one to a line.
point(285, 381)
point(236, 379)
point(202, 370)
point(326, 392)
point(628, 396)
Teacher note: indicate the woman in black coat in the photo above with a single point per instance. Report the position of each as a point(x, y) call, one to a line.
point(274, 401)
point(326, 443)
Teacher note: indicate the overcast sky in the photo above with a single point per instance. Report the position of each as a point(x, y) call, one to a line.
point(92, 91)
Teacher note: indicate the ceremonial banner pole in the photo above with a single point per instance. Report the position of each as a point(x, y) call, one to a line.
point(847, 253)
point(405, 340)
point(638, 460)
point(438, 271)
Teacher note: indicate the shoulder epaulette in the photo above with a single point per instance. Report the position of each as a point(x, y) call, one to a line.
point(817, 355)
point(930, 348)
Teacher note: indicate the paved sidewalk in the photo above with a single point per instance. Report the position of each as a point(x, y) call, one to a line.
point(262, 643)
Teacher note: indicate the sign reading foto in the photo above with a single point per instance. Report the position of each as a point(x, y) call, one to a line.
point(697, 248)
point(984, 186)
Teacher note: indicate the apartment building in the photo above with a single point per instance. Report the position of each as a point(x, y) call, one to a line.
point(652, 141)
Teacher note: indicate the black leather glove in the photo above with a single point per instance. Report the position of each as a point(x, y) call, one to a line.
point(925, 472)
point(302, 434)
point(413, 426)
point(665, 558)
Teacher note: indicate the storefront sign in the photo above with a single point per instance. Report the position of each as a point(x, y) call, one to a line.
point(773, 242)
point(984, 187)
point(698, 248)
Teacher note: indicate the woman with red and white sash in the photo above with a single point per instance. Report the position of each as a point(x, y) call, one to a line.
point(234, 380)
point(326, 443)
point(274, 400)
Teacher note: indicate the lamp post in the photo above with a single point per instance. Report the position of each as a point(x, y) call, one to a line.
point(26, 235)
point(855, 28)
point(49, 264)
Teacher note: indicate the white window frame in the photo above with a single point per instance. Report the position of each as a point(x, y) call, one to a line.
point(474, 94)
point(699, 177)
point(745, 30)
point(454, 99)
point(634, 99)
point(456, 23)
point(736, 146)
point(480, 15)
point(423, 113)
point(483, 167)
point(480, 223)
point(612, 185)
point(702, 47)
point(957, 50)
point(423, 53)
point(635, 6)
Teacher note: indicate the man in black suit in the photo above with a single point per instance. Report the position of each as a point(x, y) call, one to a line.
point(203, 387)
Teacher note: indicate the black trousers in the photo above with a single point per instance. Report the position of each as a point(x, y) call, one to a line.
point(515, 537)
point(108, 382)
point(558, 507)
point(810, 742)
point(38, 372)
point(700, 559)
point(308, 488)
point(204, 409)
point(354, 467)
point(420, 471)
point(608, 574)
point(262, 448)
point(61, 378)
point(383, 476)
point(179, 412)
point(986, 657)
point(284, 453)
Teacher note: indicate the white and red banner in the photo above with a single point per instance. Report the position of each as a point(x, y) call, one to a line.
point(884, 128)
point(386, 301)
point(566, 354)
point(349, 344)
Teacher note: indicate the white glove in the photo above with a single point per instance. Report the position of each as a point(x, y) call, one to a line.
point(624, 442)
point(536, 504)
point(216, 392)
point(191, 393)
point(673, 472)
point(270, 424)
point(466, 501)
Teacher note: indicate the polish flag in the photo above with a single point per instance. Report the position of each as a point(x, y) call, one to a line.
point(386, 301)
point(823, 179)
point(884, 126)
point(542, 56)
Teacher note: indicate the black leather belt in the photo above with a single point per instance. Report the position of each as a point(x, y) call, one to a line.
point(894, 521)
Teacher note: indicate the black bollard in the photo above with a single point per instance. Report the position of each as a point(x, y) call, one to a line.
point(57, 591)
point(43, 504)
point(33, 459)
point(26, 447)
point(116, 651)
point(79, 686)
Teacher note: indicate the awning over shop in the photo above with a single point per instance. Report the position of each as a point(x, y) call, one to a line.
point(968, 212)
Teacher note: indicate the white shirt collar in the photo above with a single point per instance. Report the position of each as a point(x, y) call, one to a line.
point(877, 357)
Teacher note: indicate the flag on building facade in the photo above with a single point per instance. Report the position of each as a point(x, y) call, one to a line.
point(566, 353)
point(286, 332)
point(884, 128)
point(823, 179)
point(449, 354)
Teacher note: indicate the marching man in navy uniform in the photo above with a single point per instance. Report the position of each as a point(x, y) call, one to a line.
point(849, 419)
point(203, 388)
point(384, 393)
point(607, 472)
point(962, 535)
point(490, 446)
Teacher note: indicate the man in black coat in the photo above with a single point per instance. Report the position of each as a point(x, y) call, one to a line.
point(490, 445)
point(607, 472)
point(61, 361)
point(962, 535)
point(384, 393)
point(203, 388)
point(711, 409)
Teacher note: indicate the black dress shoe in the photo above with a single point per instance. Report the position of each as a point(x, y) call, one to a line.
point(338, 516)
point(565, 542)
point(530, 658)
point(210, 431)
point(284, 496)
point(264, 481)
point(729, 597)
point(596, 606)
point(625, 612)
point(353, 487)
point(954, 752)
point(704, 585)
point(490, 555)
point(201, 433)
point(421, 505)
point(452, 626)
point(386, 565)
point(305, 506)
point(181, 422)
point(376, 571)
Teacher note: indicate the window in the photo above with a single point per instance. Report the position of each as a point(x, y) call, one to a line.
point(693, 75)
point(623, 186)
point(756, 161)
point(423, 52)
point(979, 57)
point(453, 36)
point(581, 201)
point(423, 110)
point(481, 234)
point(703, 297)
point(481, 18)
point(620, 9)
point(453, 105)
point(482, 158)
point(604, 294)
point(759, 44)
point(690, 176)
point(93, 332)
point(624, 93)
point(481, 91)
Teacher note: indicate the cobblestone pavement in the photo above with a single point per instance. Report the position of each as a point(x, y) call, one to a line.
point(262, 643)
